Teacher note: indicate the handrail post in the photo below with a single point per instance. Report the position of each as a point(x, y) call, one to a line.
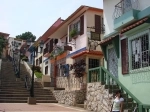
point(88, 77)
point(140, 108)
point(99, 74)
point(102, 75)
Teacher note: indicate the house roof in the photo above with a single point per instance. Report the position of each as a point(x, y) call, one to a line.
point(77, 13)
point(134, 25)
point(2, 33)
point(87, 52)
point(45, 36)
point(107, 40)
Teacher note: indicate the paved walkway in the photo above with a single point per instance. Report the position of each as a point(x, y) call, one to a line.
point(40, 107)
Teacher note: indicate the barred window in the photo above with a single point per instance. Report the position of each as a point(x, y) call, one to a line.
point(140, 52)
point(40, 60)
point(94, 63)
point(46, 70)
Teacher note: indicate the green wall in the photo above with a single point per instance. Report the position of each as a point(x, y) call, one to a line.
point(138, 83)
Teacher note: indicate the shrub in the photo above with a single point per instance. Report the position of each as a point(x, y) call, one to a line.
point(38, 74)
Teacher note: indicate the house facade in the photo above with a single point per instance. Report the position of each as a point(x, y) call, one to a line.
point(78, 37)
point(126, 48)
point(5, 50)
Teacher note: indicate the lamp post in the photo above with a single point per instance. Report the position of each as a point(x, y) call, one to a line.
point(31, 99)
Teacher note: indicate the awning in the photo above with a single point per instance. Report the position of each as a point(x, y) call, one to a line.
point(46, 59)
point(87, 52)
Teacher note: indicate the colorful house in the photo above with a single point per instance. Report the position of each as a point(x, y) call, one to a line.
point(126, 51)
point(80, 34)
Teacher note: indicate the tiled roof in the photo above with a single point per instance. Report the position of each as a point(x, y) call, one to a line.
point(134, 25)
point(87, 52)
point(107, 40)
point(47, 55)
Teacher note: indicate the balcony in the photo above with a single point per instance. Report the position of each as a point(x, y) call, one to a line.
point(125, 12)
point(45, 51)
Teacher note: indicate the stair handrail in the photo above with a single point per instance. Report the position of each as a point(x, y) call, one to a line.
point(141, 107)
point(120, 84)
point(146, 107)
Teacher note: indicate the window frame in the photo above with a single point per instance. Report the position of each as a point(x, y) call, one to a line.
point(93, 59)
point(130, 39)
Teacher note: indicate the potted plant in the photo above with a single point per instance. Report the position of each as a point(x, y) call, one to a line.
point(73, 33)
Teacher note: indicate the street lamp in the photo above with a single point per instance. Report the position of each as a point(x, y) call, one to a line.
point(31, 99)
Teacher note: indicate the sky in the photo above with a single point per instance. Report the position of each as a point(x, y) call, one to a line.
point(36, 16)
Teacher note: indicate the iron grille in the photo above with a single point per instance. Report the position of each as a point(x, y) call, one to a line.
point(125, 6)
point(140, 52)
point(94, 63)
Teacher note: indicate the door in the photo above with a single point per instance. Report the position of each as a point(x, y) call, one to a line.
point(112, 62)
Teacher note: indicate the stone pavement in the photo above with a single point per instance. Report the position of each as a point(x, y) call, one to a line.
point(40, 107)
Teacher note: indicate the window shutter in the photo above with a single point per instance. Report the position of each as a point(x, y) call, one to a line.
point(51, 45)
point(56, 41)
point(98, 24)
point(70, 27)
point(82, 25)
point(124, 56)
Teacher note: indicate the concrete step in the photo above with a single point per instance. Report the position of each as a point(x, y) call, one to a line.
point(80, 105)
point(24, 98)
point(24, 95)
point(25, 101)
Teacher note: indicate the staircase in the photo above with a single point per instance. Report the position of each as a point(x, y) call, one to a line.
point(12, 91)
point(112, 84)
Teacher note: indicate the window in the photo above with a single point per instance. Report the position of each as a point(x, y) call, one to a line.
point(75, 26)
point(94, 63)
point(140, 54)
point(40, 60)
point(37, 61)
point(46, 70)
point(46, 62)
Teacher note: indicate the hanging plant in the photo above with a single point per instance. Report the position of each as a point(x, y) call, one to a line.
point(73, 33)
point(79, 68)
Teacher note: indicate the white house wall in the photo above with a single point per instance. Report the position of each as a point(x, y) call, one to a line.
point(80, 39)
point(109, 7)
point(90, 22)
point(143, 4)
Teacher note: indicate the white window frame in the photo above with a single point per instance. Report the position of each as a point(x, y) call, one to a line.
point(144, 69)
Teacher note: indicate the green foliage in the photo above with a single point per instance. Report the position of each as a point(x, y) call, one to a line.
point(73, 33)
point(26, 35)
point(3, 43)
point(38, 74)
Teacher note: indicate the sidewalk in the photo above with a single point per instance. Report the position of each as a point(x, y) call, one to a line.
point(40, 107)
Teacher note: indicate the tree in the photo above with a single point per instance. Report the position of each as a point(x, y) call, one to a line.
point(26, 35)
point(3, 43)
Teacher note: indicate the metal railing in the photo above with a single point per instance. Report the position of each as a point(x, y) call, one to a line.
point(45, 51)
point(27, 82)
point(146, 108)
point(100, 74)
point(125, 6)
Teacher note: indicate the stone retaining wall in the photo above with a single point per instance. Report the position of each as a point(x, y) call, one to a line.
point(70, 97)
point(98, 99)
